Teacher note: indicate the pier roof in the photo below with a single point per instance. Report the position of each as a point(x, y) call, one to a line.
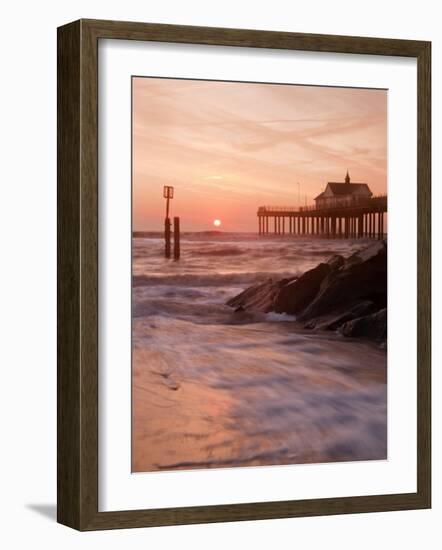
point(346, 188)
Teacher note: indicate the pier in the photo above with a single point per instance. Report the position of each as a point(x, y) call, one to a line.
point(359, 217)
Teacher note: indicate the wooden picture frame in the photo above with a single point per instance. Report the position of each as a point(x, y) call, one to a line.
point(77, 128)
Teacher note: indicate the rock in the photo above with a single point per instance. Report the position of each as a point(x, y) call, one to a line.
point(362, 277)
point(371, 326)
point(172, 384)
point(259, 297)
point(167, 377)
point(336, 262)
point(346, 294)
point(295, 295)
point(365, 254)
point(290, 295)
point(337, 318)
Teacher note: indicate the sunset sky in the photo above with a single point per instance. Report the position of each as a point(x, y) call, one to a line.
point(230, 147)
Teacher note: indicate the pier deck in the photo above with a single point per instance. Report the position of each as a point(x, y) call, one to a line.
point(360, 218)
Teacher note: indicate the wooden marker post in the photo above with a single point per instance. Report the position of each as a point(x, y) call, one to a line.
point(167, 237)
point(167, 194)
point(176, 238)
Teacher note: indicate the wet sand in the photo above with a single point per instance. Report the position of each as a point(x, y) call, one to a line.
point(220, 395)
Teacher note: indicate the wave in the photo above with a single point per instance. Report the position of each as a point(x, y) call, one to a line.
point(173, 309)
point(209, 279)
point(223, 251)
point(220, 236)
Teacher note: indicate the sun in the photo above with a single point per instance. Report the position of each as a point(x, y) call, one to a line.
point(216, 223)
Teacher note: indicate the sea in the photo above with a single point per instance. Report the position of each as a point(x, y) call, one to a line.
point(213, 388)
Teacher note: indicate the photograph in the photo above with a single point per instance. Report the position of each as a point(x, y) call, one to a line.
point(259, 274)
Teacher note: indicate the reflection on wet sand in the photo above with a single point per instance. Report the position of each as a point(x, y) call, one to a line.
point(223, 395)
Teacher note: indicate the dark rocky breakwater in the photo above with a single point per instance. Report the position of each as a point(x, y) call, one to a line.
point(344, 294)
